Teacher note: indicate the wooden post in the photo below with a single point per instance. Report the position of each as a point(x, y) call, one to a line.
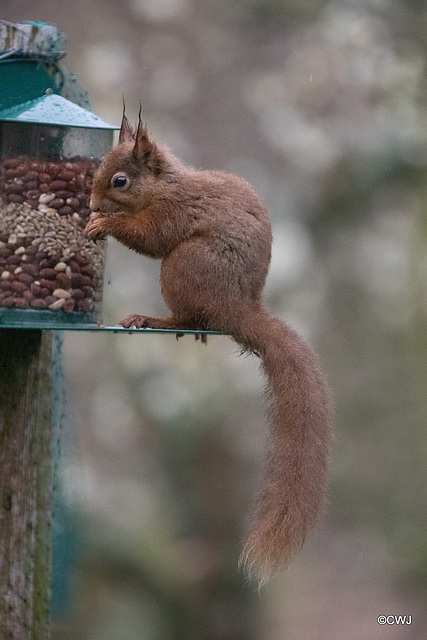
point(31, 394)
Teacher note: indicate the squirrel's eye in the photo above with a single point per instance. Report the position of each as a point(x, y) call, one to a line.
point(119, 180)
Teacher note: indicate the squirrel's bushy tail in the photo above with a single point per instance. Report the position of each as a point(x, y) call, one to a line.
point(297, 461)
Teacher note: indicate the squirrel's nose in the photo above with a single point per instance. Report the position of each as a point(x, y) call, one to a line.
point(92, 205)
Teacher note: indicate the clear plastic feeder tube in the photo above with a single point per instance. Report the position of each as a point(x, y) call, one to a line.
point(49, 269)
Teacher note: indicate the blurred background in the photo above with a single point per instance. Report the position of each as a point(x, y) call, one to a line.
point(323, 107)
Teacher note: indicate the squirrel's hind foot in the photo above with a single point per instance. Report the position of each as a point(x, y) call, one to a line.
point(138, 322)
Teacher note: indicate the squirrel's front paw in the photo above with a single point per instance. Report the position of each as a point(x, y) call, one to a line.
point(97, 228)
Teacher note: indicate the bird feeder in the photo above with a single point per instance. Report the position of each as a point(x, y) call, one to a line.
point(50, 271)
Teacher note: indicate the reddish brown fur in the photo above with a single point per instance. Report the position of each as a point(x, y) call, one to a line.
point(213, 233)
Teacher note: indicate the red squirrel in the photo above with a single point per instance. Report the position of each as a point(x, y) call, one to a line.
point(213, 234)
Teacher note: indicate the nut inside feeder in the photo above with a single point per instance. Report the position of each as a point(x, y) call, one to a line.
point(49, 270)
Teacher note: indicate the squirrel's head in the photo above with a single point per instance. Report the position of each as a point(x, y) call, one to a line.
point(125, 177)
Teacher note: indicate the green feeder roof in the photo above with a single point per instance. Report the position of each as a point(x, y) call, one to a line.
point(55, 110)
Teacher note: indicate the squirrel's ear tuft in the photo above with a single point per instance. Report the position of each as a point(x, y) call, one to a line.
point(126, 131)
point(145, 151)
